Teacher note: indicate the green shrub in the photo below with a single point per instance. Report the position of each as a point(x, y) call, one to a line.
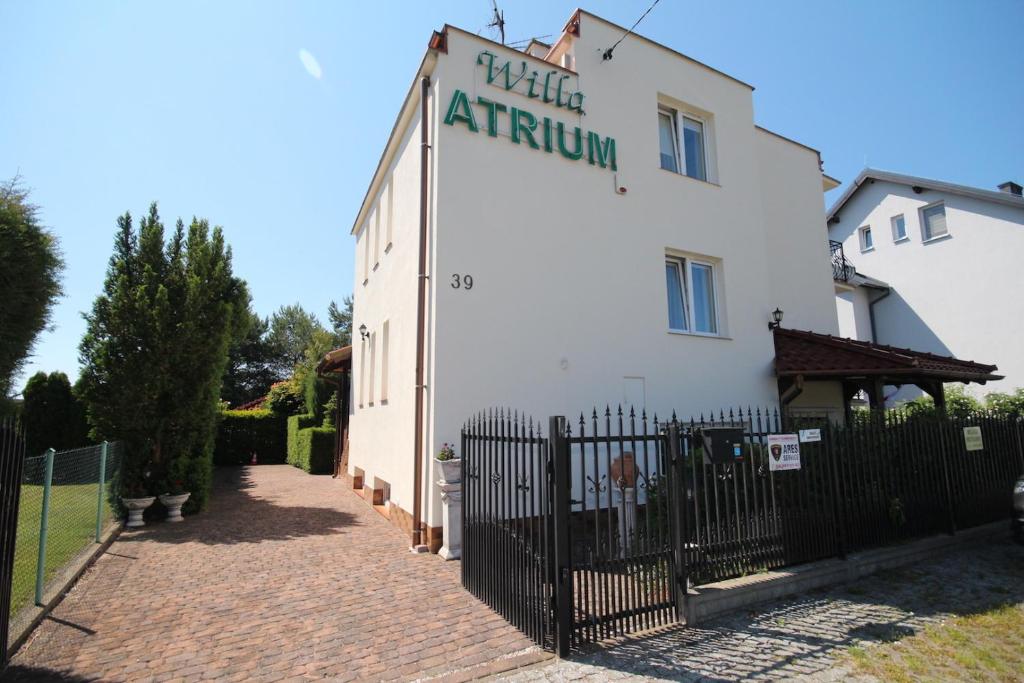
point(240, 433)
point(312, 449)
point(295, 424)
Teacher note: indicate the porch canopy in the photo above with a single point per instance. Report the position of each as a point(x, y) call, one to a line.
point(861, 365)
point(336, 360)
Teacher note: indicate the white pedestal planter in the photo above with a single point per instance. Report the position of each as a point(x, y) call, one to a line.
point(173, 505)
point(136, 506)
point(627, 520)
point(451, 517)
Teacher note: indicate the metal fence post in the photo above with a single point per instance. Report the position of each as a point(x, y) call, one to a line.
point(99, 494)
point(838, 511)
point(563, 549)
point(677, 494)
point(43, 522)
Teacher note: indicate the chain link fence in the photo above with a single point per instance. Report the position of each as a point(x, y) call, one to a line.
point(68, 505)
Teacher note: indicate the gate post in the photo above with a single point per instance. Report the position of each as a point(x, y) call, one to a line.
point(563, 549)
point(679, 518)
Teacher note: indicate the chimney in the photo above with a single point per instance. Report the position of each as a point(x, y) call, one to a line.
point(1010, 187)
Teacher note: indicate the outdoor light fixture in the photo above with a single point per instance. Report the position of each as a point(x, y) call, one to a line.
point(363, 333)
point(776, 319)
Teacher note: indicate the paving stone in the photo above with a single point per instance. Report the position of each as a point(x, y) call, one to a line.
point(284, 573)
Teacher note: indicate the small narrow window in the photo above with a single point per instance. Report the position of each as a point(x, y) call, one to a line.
point(376, 236)
point(667, 141)
point(366, 251)
point(693, 143)
point(391, 213)
point(373, 364)
point(899, 228)
point(866, 241)
point(933, 222)
point(384, 344)
point(362, 372)
point(675, 282)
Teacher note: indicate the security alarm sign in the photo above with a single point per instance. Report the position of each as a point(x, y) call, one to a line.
point(783, 452)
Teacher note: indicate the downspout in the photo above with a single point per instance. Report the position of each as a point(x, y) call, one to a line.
point(792, 391)
point(421, 306)
point(871, 312)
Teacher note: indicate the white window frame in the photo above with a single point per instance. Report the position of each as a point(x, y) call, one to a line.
point(925, 238)
point(671, 114)
point(678, 141)
point(373, 366)
point(683, 265)
point(391, 213)
point(896, 238)
point(862, 237)
point(385, 343)
point(375, 218)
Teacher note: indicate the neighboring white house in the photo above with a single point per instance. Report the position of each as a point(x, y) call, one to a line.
point(934, 268)
point(594, 231)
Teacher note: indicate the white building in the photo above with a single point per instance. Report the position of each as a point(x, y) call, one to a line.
point(552, 230)
point(933, 268)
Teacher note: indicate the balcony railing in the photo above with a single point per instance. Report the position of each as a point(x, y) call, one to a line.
point(842, 270)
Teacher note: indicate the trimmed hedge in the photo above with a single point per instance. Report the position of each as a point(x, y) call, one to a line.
point(242, 432)
point(295, 423)
point(314, 450)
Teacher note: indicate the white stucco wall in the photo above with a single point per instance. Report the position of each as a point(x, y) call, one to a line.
point(381, 432)
point(568, 308)
point(853, 311)
point(954, 296)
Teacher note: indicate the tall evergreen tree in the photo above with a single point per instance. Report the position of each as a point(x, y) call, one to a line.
point(52, 414)
point(291, 332)
point(156, 348)
point(252, 364)
point(30, 269)
point(341, 321)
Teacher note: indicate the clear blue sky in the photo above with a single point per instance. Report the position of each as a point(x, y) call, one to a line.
point(207, 108)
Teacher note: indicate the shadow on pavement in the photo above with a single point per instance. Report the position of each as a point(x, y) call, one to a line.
point(16, 672)
point(237, 515)
point(801, 636)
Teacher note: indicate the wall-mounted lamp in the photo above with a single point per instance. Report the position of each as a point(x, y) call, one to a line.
point(776, 319)
point(363, 333)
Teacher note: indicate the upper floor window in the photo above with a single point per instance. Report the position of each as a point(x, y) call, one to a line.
point(933, 222)
point(899, 228)
point(867, 243)
point(685, 153)
point(692, 300)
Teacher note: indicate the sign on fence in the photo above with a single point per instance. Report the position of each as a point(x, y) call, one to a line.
point(972, 439)
point(783, 452)
point(810, 435)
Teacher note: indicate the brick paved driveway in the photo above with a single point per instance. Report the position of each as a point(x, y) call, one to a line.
point(286, 576)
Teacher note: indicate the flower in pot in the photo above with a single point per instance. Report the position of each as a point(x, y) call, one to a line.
point(451, 466)
point(135, 496)
point(175, 495)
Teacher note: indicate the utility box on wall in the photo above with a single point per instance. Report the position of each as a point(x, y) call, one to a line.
point(721, 445)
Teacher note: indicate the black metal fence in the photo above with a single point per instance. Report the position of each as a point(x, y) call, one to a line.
point(596, 530)
point(12, 459)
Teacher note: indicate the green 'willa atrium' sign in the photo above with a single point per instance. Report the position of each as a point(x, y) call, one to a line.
point(524, 127)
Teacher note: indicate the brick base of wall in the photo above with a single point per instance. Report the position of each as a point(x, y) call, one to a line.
point(432, 536)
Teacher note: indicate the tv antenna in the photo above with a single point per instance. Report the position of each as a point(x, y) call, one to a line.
point(498, 21)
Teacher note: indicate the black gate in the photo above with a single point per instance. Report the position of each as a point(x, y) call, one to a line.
point(12, 460)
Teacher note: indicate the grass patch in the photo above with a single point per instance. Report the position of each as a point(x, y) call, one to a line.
point(71, 528)
point(987, 646)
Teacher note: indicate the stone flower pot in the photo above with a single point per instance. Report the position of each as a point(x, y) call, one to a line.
point(173, 505)
point(136, 506)
point(451, 470)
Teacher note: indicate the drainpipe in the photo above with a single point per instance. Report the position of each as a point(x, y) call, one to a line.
point(871, 312)
point(791, 392)
point(421, 306)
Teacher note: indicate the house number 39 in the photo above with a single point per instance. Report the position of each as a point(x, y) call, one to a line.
point(462, 281)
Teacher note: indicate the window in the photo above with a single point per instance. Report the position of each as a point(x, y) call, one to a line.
point(384, 343)
point(689, 156)
point(362, 372)
point(933, 222)
point(899, 228)
point(866, 241)
point(692, 302)
point(373, 365)
point(376, 236)
point(391, 214)
point(366, 252)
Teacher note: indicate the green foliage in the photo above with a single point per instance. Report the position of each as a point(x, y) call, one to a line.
point(959, 403)
point(29, 279)
point(330, 411)
point(296, 423)
point(291, 333)
point(285, 398)
point(244, 432)
point(252, 363)
point(1006, 404)
point(314, 450)
point(52, 414)
point(156, 348)
point(341, 322)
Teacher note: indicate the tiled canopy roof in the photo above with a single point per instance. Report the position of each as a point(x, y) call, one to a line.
point(821, 355)
point(338, 359)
